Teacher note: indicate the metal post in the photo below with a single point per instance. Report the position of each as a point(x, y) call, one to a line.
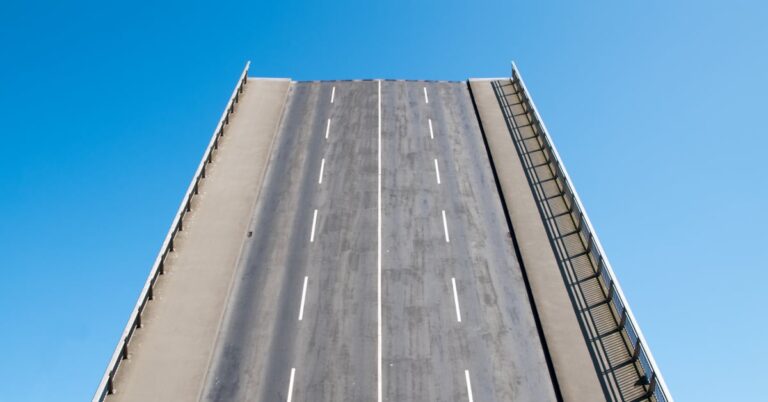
point(651, 386)
point(125, 349)
point(636, 352)
point(611, 289)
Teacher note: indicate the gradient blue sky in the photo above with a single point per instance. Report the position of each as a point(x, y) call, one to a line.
point(656, 107)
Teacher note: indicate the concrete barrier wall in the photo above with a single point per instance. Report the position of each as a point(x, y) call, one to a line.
point(176, 317)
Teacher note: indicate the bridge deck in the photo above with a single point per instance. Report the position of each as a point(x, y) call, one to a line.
point(350, 242)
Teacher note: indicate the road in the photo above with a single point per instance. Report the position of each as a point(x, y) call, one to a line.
point(380, 266)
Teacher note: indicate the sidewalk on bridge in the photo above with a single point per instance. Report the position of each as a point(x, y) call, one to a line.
point(169, 355)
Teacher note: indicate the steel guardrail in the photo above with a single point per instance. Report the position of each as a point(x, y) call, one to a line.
point(642, 354)
point(106, 385)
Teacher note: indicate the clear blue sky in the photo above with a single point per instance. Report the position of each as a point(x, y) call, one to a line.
point(656, 106)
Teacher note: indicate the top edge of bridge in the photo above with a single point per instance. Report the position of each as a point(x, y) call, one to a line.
point(268, 79)
point(373, 80)
point(488, 79)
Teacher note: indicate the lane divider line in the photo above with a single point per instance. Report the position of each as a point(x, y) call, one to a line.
point(322, 166)
point(327, 128)
point(290, 386)
point(426, 97)
point(333, 93)
point(469, 386)
point(445, 228)
point(437, 172)
point(378, 262)
point(303, 296)
point(314, 221)
point(456, 300)
point(431, 134)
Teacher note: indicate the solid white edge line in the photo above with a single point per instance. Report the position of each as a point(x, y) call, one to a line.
point(290, 386)
point(431, 134)
point(456, 300)
point(322, 166)
point(378, 262)
point(333, 93)
point(314, 221)
point(437, 172)
point(426, 98)
point(303, 296)
point(327, 128)
point(469, 386)
point(445, 228)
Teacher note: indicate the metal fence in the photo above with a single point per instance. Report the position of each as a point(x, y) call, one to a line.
point(107, 386)
point(641, 354)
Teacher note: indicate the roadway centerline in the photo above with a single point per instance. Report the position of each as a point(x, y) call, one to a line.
point(378, 257)
point(469, 386)
point(333, 93)
point(322, 166)
point(456, 300)
point(426, 97)
point(303, 296)
point(314, 221)
point(437, 172)
point(445, 228)
point(431, 134)
point(290, 386)
point(327, 128)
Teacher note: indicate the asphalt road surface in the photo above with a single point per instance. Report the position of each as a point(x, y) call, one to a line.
point(380, 266)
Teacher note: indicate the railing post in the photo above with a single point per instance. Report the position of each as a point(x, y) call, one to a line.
point(636, 352)
point(623, 319)
point(611, 289)
point(580, 223)
point(651, 386)
point(600, 268)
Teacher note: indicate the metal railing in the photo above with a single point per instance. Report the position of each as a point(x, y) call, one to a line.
point(107, 386)
point(641, 353)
